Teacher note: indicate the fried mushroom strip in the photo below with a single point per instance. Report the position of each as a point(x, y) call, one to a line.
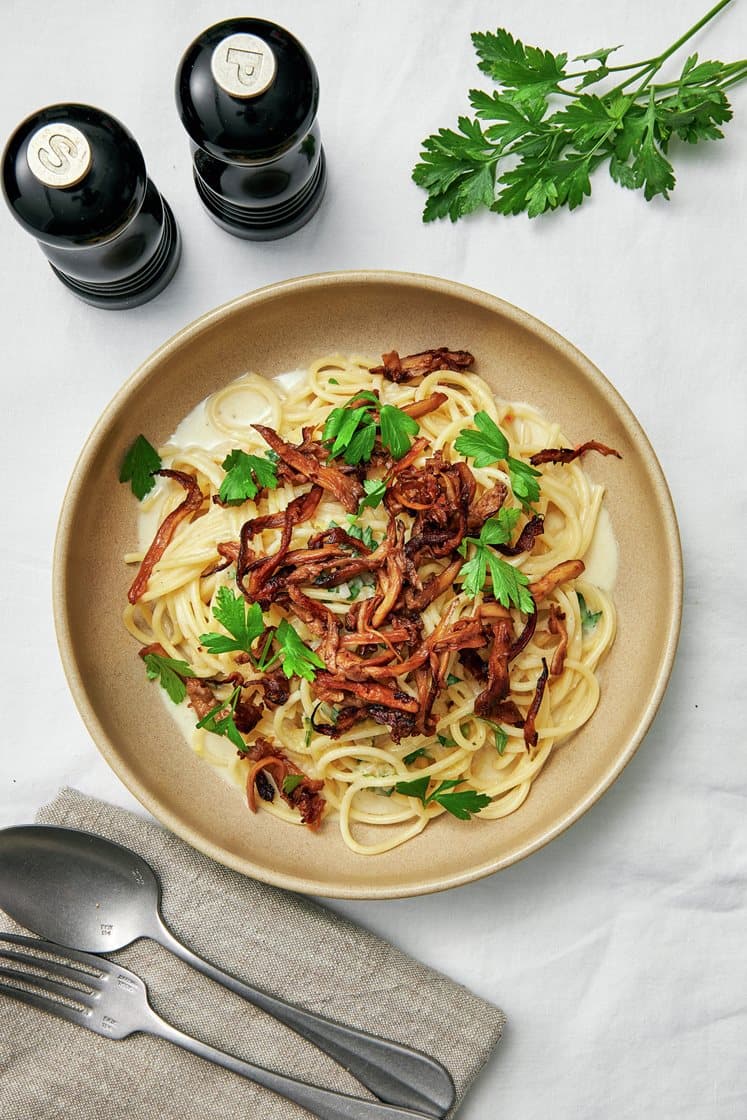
point(303, 793)
point(568, 454)
point(561, 573)
point(191, 504)
point(344, 487)
point(399, 369)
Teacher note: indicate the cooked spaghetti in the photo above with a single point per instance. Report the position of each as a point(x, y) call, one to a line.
point(427, 688)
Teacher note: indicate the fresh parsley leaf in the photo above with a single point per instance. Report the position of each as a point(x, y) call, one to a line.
point(291, 782)
point(462, 804)
point(332, 381)
point(501, 738)
point(589, 619)
point(295, 656)
point(486, 446)
point(245, 476)
point(601, 54)
point(509, 583)
point(499, 529)
point(415, 788)
point(538, 159)
point(523, 481)
point(244, 622)
point(138, 467)
point(220, 720)
point(352, 431)
point(396, 428)
point(169, 672)
point(375, 489)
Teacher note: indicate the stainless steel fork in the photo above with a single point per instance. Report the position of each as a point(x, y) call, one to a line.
point(113, 1002)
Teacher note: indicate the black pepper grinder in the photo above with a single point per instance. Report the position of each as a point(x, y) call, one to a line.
point(75, 179)
point(247, 93)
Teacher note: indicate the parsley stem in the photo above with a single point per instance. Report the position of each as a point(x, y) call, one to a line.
point(693, 30)
point(650, 68)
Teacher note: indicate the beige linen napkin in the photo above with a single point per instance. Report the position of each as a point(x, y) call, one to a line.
point(283, 942)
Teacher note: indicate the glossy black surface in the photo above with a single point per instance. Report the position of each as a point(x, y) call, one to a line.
point(258, 161)
point(93, 210)
point(244, 130)
point(111, 237)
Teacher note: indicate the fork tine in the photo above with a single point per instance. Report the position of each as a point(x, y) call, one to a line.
point(98, 964)
point(45, 965)
point(67, 991)
point(62, 1010)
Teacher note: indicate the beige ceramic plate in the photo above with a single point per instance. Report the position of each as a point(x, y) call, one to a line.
point(280, 328)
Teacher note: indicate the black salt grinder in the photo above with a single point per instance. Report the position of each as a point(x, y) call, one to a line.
point(247, 93)
point(75, 179)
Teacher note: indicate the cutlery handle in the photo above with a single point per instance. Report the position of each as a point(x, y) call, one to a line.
point(392, 1072)
point(324, 1103)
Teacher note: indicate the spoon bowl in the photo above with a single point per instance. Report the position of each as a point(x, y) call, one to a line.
point(76, 889)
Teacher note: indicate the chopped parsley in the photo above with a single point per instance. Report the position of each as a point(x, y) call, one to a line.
point(446, 741)
point(396, 429)
point(451, 679)
point(245, 624)
point(501, 738)
point(419, 753)
point(589, 619)
point(291, 782)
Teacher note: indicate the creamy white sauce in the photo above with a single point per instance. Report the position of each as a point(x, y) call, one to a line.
point(602, 556)
point(242, 409)
point(197, 430)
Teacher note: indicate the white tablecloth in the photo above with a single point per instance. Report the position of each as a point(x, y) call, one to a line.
point(618, 951)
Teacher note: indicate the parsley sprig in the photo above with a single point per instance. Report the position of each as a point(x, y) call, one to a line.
point(352, 430)
point(296, 658)
point(462, 804)
point(509, 583)
point(246, 475)
point(245, 623)
point(532, 155)
point(489, 445)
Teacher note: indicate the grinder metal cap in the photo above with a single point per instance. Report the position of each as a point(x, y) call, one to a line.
point(246, 91)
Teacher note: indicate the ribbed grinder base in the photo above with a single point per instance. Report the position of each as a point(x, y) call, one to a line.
point(142, 285)
point(266, 223)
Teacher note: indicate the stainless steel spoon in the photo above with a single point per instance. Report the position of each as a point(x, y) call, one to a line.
point(87, 893)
